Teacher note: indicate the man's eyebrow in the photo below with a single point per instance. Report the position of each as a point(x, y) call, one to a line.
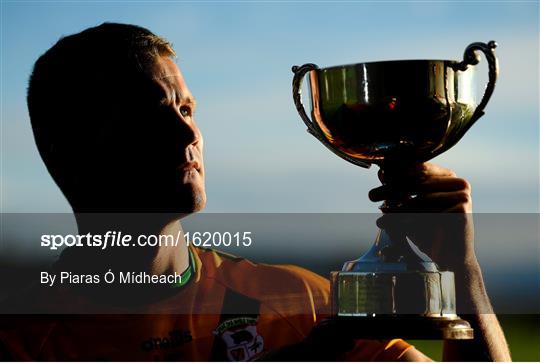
point(179, 99)
point(174, 95)
point(189, 99)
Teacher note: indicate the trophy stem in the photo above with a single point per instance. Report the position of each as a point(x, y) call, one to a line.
point(387, 255)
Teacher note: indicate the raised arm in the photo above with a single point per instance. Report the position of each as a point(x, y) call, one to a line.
point(448, 238)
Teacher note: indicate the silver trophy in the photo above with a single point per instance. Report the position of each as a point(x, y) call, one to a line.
point(395, 111)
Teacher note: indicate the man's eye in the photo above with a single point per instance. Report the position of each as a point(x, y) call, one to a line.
point(185, 111)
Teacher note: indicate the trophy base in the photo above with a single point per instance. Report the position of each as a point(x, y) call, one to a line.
point(409, 305)
point(407, 327)
point(410, 293)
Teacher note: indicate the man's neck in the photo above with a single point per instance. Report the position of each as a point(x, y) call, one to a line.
point(170, 259)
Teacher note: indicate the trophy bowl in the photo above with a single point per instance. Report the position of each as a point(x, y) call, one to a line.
point(410, 109)
point(406, 111)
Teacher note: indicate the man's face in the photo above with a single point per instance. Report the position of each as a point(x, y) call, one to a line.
point(179, 106)
point(155, 151)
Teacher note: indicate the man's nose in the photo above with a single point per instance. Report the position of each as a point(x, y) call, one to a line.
point(187, 131)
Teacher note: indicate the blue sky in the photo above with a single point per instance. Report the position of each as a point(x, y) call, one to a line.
point(236, 58)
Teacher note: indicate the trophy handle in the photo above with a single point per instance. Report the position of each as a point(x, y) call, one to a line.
point(312, 128)
point(471, 57)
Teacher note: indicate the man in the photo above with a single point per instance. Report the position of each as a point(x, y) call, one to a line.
point(114, 122)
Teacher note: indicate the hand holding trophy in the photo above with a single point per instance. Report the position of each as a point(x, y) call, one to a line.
point(385, 113)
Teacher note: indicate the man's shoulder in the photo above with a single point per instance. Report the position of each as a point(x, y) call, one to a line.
point(288, 289)
point(21, 336)
point(23, 326)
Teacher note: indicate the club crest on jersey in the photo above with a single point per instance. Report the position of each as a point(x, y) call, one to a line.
point(242, 341)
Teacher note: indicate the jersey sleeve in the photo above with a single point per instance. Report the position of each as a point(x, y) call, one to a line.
point(21, 337)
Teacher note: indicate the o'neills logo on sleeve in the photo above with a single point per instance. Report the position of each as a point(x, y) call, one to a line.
point(175, 339)
point(241, 340)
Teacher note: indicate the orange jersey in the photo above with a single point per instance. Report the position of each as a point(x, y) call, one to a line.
point(231, 309)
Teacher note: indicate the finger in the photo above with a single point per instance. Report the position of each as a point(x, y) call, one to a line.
point(380, 175)
point(396, 172)
point(437, 184)
point(433, 202)
point(442, 184)
point(460, 208)
point(430, 169)
point(386, 192)
point(393, 221)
